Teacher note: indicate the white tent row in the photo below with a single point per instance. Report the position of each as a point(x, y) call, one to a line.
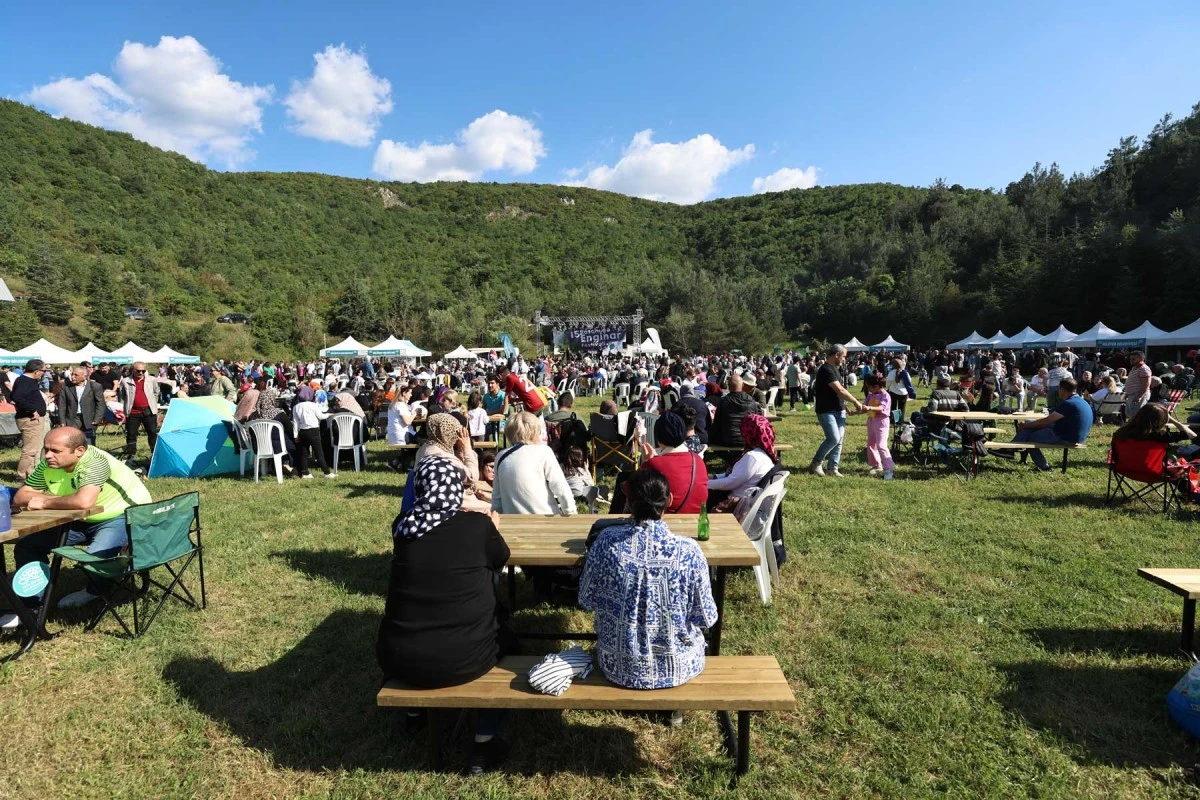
point(391, 346)
point(126, 354)
point(855, 346)
point(1099, 336)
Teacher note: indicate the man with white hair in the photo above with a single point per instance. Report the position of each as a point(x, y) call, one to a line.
point(81, 404)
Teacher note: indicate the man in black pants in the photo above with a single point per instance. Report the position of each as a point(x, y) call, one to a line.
point(139, 397)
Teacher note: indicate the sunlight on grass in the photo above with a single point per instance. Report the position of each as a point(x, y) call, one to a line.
point(983, 638)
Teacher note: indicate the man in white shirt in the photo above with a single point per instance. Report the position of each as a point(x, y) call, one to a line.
point(306, 422)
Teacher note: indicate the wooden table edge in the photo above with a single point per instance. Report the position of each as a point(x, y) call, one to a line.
point(1148, 574)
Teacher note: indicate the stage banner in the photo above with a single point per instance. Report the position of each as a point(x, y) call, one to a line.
point(597, 338)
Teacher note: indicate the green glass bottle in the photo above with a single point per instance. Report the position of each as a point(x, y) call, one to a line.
point(702, 525)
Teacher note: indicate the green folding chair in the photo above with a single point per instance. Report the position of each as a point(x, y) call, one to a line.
point(160, 534)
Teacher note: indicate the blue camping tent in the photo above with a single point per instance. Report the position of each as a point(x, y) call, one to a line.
point(194, 439)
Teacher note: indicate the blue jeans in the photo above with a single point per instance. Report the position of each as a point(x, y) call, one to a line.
point(834, 426)
point(104, 539)
point(1039, 436)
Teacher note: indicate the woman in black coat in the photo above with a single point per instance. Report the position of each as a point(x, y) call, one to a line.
point(440, 626)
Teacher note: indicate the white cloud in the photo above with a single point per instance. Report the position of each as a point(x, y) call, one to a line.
point(343, 101)
point(677, 172)
point(786, 178)
point(172, 95)
point(496, 141)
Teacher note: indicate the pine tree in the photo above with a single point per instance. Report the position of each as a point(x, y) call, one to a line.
point(48, 294)
point(354, 313)
point(18, 325)
point(106, 308)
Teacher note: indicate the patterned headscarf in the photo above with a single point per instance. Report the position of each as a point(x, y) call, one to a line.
point(267, 406)
point(757, 432)
point(438, 488)
point(443, 429)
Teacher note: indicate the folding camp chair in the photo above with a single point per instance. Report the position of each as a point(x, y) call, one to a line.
point(1174, 398)
point(610, 447)
point(1133, 461)
point(160, 534)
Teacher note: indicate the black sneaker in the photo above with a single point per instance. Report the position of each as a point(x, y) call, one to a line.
point(486, 755)
point(393, 465)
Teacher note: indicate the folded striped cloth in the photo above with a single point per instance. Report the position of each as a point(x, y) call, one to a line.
point(553, 674)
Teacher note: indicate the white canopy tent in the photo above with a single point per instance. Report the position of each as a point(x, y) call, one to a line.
point(5, 294)
point(1187, 335)
point(652, 346)
point(1055, 338)
point(48, 352)
point(95, 354)
point(974, 340)
point(346, 348)
point(1092, 335)
point(390, 346)
point(460, 353)
point(165, 355)
point(1018, 341)
point(855, 346)
point(1150, 334)
point(889, 344)
point(412, 351)
point(135, 352)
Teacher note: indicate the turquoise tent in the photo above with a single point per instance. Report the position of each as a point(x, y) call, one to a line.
point(194, 440)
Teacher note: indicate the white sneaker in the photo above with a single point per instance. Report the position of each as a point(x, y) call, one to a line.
point(876, 470)
point(817, 470)
point(77, 599)
point(306, 476)
point(9, 622)
point(833, 473)
point(330, 474)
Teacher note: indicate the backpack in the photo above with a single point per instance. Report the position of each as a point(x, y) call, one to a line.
point(564, 434)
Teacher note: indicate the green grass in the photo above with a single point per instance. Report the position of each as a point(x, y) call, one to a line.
point(988, 638)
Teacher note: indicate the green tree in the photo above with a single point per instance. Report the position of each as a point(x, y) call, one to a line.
point(159, 330)
point(48, 294)
point(19, 325)
point(354, 313)
point(105, 305)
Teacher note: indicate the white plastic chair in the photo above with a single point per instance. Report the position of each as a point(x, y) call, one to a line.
point(348, 425)
point(243, 445)
point(561, 387)
point(772, 396)
point(623, 394)
point(757, 525)
point(264, 445)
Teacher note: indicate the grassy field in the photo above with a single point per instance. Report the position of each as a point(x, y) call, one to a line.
point(974, 639)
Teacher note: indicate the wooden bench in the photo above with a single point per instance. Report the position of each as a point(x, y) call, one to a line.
point(737, 448)
point(993, 430)
point(744, 684)
point(1066, 448)
point(1185, 583)
point(474, 446)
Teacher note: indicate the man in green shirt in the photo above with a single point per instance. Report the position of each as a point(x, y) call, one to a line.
point(74, 475)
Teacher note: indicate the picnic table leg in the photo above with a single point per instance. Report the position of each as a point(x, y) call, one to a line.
point(1188, 630)
point(743, 748)
point(720, 601)
point(435, 738)
point(1064, 466)
point(512, 587)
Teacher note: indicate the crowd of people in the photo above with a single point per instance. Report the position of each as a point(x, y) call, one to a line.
point(648, 589)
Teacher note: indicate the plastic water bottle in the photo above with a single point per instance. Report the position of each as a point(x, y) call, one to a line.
point(702, 525)
point(5, 509)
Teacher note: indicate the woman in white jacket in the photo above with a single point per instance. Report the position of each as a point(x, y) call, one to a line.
point(529, 479)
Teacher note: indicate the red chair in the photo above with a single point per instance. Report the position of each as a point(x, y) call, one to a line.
point(1174, 398)
point(1134, 461)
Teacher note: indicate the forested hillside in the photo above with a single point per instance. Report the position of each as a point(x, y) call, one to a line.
point(102, 220)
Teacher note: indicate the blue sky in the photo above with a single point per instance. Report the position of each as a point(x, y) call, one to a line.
point(738, 96)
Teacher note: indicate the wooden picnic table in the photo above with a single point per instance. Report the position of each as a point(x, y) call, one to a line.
point(985, 416)
point(26, 523)
point(1186, 584)
point(537, 541)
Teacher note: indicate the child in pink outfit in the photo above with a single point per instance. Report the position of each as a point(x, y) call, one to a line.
point(879, 407)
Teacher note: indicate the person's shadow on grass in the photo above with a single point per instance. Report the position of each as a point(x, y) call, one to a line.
point(1113, 715)
point(314, 709)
